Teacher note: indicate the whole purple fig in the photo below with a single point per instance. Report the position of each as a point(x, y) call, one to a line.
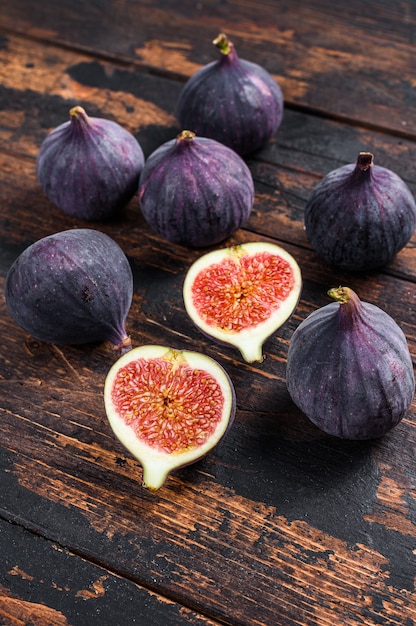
point(232, 100)
point(349, 368)
point(359, 216)
point(195, 191)
point(89, 167)
point(72, 287)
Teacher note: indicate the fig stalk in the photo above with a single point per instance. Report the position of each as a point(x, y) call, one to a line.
point(185, 135)
point(223, 44)
point(365, 160)
point(351, 309)
point(79, 114)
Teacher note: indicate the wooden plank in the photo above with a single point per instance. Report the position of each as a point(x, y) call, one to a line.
point(42, 583)
point(350, 64)
point(203, 541)
point(281, 523)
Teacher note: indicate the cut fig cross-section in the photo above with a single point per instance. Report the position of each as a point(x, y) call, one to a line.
point(242, 294)
point(168, 407)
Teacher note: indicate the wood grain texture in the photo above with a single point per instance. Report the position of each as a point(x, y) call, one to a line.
point(43, 584)
point(281, 525)
point(328, 58)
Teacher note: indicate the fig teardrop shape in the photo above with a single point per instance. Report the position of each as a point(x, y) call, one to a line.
point(89, 167)
point(168, 407)
point(72, 287)
point(359, 216)
point(232, 100)
point(195, 191)
point(242, 294)
point(349, 368)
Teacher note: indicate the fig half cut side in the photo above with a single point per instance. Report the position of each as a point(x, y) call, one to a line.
point(242, 294)
point(168, 407)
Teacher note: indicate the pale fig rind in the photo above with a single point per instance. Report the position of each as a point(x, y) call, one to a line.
point(156, 462)
point(232, 100)
point(349, 368)
point(359, 216)
point(194, 191)
point(72, 287)
point(249, 299)
point(89, 167)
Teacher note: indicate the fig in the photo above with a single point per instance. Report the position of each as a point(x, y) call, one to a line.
point(359, 216)
point(89, 167)
point(232, 100)
point(72, 287)
point(242, 294)
point(349, 368)
point(168, 407)
point(195, 191)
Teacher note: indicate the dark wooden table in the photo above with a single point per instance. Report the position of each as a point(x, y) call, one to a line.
point(280, 525)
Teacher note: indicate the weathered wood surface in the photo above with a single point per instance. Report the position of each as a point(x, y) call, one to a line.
point(280, 524)
point(43, 583)
point(350, 61)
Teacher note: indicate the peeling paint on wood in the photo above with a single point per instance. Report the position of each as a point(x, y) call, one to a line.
point(280, 525)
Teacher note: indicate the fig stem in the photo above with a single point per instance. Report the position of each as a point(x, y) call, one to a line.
point(124, 346)
point(340, 294)
point(223, 44)
point(344, 295)
point(186, 135)
point(350, 313)
point(252, 352)
point(78, 112)
point(154, 475)
point(365, 160)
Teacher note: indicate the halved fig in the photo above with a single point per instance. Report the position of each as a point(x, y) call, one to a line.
point(168, 407)
point(242, 294)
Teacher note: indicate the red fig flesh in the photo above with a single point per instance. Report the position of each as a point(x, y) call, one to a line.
point(242, 294)
point(168, 407)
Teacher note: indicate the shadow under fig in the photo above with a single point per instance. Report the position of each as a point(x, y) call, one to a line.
point(304, 474)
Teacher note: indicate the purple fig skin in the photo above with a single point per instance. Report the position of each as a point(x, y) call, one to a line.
point(72, 287)
point(232, 100)
point(360, 216)
point(89, 167)
point(195, 191)
point(349, 368)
